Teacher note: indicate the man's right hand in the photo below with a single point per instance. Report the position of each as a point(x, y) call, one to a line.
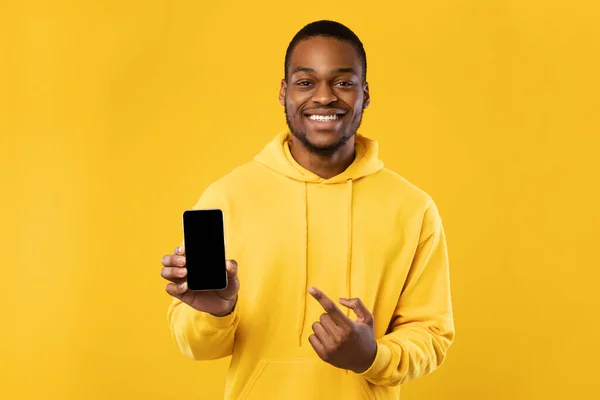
point(218, 303)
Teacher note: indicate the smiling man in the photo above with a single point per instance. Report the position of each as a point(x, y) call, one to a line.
point(343, 288)
point(324, 92)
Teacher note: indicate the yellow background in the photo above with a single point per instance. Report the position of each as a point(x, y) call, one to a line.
point(115, 115)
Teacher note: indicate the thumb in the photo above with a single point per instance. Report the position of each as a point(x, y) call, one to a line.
point(232, 269)
point(356, 304)
point(233, 284)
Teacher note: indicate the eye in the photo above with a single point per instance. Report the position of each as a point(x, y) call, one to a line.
point(346, 84)
point(303, 83)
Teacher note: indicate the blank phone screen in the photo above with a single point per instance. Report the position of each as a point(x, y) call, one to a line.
point(204, 241)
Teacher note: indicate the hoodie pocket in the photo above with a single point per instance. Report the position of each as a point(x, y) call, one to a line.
point(303, 379)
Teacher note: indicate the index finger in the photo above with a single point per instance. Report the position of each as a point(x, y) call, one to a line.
point(173, 261)
point(329, 306)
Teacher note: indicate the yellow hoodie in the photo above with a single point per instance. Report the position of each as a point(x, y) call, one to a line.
point(365, 233)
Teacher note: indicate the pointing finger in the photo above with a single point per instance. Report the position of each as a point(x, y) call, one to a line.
point(329, 306)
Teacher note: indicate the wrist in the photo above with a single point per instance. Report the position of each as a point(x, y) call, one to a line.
point(368, 361)
point(229, 312)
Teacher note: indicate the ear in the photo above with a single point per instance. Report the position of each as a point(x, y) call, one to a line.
point(367, 95)
point(282, 90)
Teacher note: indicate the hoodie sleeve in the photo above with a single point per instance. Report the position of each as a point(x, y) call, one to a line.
point(422, 327)
point(200, 335)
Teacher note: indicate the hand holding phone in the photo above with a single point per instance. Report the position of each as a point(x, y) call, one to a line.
point(204, 268)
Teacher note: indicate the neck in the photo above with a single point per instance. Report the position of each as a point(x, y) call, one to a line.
point(324, 165)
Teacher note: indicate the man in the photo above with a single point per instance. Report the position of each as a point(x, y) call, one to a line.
point(315, 219)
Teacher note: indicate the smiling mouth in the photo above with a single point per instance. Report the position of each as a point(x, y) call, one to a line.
point(325, 118)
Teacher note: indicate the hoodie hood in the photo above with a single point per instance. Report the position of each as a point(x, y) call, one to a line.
point(277, 156)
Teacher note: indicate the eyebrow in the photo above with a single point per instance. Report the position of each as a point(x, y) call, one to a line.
point(312, 70)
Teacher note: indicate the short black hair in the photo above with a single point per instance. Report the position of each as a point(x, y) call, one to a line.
point(328, 29)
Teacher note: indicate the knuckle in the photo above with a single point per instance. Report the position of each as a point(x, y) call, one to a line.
point(337, 340)
point(329, 307)
point(348, 335)
point(165, 260)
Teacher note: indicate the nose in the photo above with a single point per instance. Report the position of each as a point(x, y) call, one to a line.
point(324, 95)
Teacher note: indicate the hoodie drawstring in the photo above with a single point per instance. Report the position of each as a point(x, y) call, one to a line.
point(305, 283)
point(349, 243)
point(349, 247)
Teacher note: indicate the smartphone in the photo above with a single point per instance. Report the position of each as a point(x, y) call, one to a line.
point(204, 241)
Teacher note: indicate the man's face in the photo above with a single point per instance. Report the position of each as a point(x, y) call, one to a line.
point(325, 95)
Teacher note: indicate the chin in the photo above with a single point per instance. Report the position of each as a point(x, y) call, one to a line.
point(323, 139)
point(324, 142)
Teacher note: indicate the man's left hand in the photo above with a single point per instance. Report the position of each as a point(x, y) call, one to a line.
point(340, 341)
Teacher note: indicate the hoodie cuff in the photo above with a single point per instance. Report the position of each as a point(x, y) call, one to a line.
point(382, 359)
point(217, 323)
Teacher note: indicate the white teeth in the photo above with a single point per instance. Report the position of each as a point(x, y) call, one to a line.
point(323, 118)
